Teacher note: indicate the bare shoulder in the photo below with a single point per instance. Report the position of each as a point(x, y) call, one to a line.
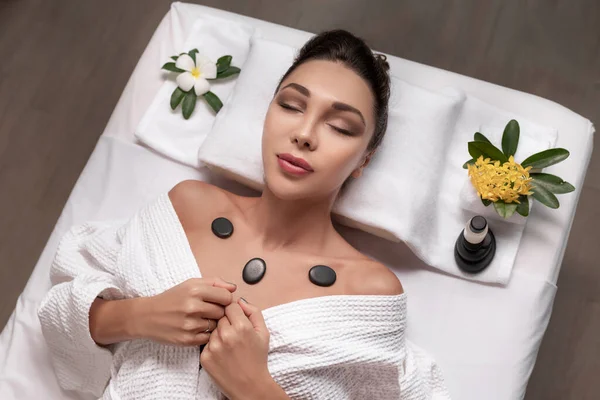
point(366, 275)
point(370, 277)
point(192, 198)
point(374, 278)
point(190, 191)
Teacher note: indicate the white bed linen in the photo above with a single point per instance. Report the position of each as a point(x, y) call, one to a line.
point(485, 338)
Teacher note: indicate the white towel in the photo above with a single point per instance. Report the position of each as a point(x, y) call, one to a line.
point(462, 201)
point(165, 130)
point(329, 347)
point(411, 191)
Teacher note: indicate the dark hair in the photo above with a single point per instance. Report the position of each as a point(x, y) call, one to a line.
point(342, 46)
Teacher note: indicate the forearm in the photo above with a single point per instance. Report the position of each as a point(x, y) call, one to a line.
point(114, 321)
point(268, 390)
point(272, 391)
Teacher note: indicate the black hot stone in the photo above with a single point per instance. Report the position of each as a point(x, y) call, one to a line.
point(222, 227)
point(254, 270)
point(322, 275)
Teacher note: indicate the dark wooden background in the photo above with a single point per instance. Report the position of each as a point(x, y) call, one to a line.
point(64, 64)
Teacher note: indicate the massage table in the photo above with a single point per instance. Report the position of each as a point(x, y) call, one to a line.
point(485, 337)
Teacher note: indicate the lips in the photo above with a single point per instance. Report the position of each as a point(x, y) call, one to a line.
point(295, 161)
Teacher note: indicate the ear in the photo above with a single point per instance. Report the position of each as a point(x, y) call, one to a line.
point(358, 171)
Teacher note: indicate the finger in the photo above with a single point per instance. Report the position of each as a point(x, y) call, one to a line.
point(214, 295)
point(200, 339)
point(254, 315)
point(210, 310)
point(214, 340)
point(223, 323)
point(236, 315)
point(207, 325)
point(218, 282)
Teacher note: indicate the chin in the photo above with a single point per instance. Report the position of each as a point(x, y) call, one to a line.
point(288, 189)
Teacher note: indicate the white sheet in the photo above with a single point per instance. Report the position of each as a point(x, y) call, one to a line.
point(485, 338)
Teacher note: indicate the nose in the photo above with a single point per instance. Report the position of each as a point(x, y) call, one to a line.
point(305, 136)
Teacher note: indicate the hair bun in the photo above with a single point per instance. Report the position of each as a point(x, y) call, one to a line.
point(382, 60)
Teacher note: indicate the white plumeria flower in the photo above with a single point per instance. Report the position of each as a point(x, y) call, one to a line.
point(196, 74)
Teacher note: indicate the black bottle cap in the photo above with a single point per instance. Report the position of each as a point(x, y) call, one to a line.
point(478, 224)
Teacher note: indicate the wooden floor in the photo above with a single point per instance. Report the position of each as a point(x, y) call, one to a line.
point(65, 63)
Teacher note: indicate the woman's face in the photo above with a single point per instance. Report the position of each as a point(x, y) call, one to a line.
point(316, 130)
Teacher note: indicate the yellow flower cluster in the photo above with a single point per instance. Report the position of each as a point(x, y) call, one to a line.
point(500, 182)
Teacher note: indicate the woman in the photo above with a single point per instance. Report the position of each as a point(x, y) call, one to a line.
point(274, 331)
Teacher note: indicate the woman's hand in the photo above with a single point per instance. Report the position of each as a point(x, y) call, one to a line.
point(182, 314)
point(236, 354)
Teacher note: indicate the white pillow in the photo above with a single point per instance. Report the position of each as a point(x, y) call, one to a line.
point(411, 189)
point(234, 144)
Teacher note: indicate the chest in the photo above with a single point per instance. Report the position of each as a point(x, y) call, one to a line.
point(286, 277)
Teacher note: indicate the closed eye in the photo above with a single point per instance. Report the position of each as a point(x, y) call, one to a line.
point(341, 130)
point(289, 107)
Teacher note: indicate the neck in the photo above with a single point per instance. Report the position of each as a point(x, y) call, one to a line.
point(299, 225)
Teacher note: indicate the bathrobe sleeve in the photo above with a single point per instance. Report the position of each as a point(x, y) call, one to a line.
point(82, 270)
point(421, 376)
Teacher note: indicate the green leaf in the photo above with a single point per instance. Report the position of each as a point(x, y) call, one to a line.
point(546, 158)
point(471, 161)
point(486, 202)
point(174, 57)
point(487, 150)
point(523, 207)
point(505, 210)
point(192, 54)
point(552, 182)
point(544, 196)
point(510, 138)
point(228, 72)
point(189, 102)
point(213, 101)
point(176, 97)
point(479, 137)
point(170, 66)
point(223, 63)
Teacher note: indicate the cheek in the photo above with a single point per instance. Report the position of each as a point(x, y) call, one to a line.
point(276, 126)
point(274, 130)
point(267, 128)
point(268, 136)
point(341, 156)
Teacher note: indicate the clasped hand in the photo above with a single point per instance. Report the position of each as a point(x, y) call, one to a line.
point(237, 348)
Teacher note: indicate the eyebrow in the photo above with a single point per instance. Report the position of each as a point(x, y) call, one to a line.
point(336, 106)
point(299, 88)
point(347, 107)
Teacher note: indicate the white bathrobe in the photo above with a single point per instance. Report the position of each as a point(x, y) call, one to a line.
point(330, 347)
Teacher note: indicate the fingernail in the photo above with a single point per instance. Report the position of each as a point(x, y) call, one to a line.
point(231, 283)
point(244, 300)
